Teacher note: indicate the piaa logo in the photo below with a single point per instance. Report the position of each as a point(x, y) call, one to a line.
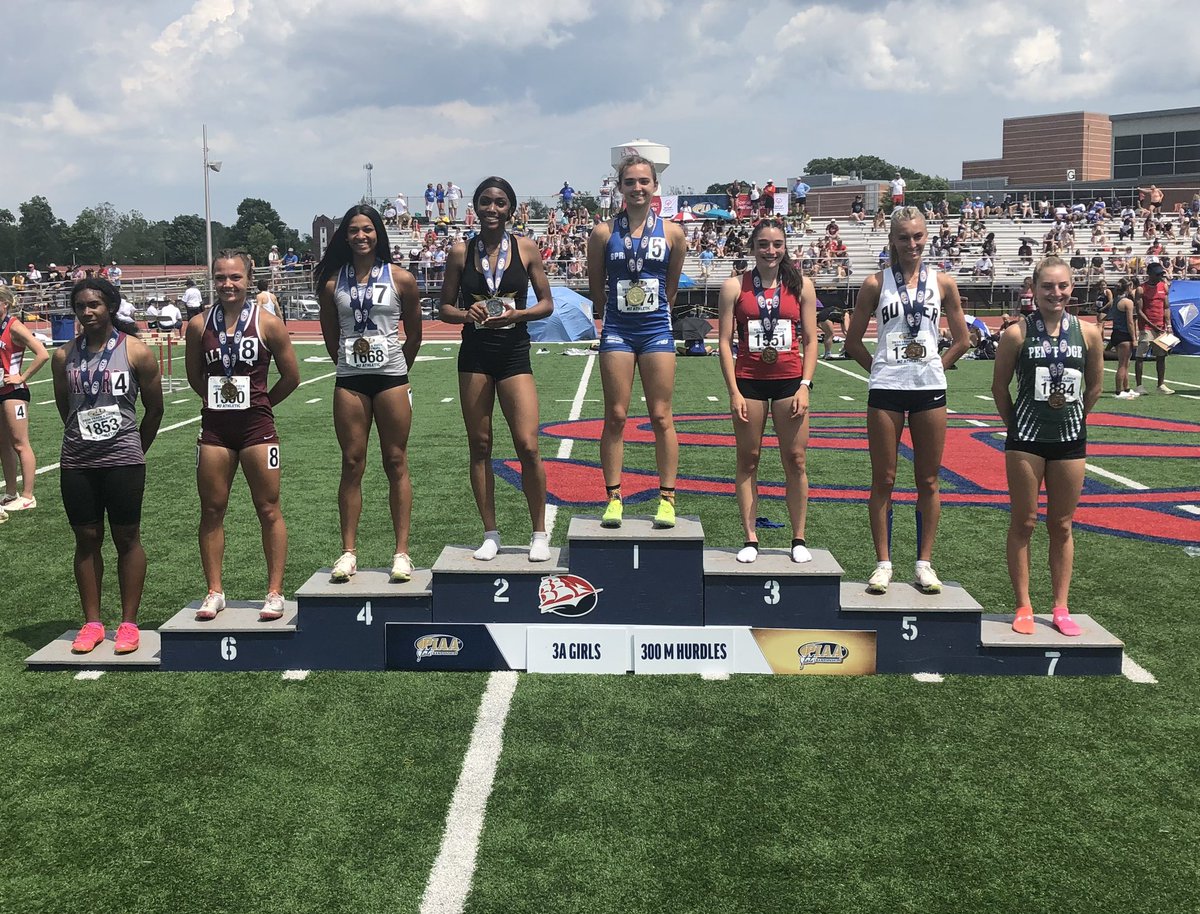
point(437, 646)
point(567, 595)
point(822, 652)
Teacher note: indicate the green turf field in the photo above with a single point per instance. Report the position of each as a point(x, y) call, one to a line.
point(247, 793)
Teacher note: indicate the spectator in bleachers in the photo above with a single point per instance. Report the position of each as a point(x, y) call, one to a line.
point(430, 201)
point(1043, 208)
point(1102, 298)
point(768, 198)
point(290, 261)
point(1193, 264)
point(885, 258)
point(1179, 266)
point(858, 210)
point(1025, 303)
point(1025, 253)
point(453, 195)
point(1151, 197)
point(1026, 208)
point(33, 276)
point(984, 268)
point(879, 222)
point(403, 217)
point(897, 187)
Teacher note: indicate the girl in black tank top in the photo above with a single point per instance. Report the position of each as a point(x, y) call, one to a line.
point(514, 284)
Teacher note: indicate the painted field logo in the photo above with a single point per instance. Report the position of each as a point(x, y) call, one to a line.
point(437, 646)
point(822, 652)
point(567, 595)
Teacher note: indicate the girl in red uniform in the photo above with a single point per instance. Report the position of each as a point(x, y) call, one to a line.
point(229, 349)
point(15, 339)
point(773, 311)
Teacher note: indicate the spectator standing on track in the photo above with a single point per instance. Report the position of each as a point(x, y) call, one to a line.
point(15, 450)
point(1123, 314)
point(193, 301)
point(1154, 319)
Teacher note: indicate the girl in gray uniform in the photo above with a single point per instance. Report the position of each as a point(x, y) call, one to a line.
point(97, 380)
point(364, 300)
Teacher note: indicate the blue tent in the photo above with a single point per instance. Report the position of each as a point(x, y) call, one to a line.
point(686, 282)
point(571, 320)
point(1185, 316)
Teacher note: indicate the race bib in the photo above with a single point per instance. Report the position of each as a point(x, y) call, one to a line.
point(901, 348)
point(229, 393)
point(637, 298)
point(99, 423)
point(1072, 384)
point(510, 304)
point(781, 339)
point(366, 353)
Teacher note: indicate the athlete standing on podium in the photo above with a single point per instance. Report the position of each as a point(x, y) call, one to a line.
point(773, 311)
point(229, 349)
point(1059, 363)
point(97, 380)
point(634, 264)
point(486, 286)
point(907, 376)
point(364, 300)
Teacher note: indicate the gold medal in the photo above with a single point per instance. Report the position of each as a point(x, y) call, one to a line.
point(229, 391)
point(914, 350)
point(362, 348)
point(770, 354)
point(495, 307)
point(635, 296)
point(1057, 399)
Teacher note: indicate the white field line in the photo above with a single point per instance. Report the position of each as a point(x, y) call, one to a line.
point(1128, 483)
point(847, 399)
point(51, 400)
point(715, 676)
point(313, 400)
point(84, 675)
point(929, 677)
point(712, 399)
point(177, 402)
point(984, 397)
point(453, 870)
point(853, 374)
point(295, 675)
point(1135, 672)
point(1190, 509)
point(1189, 396)
point(447, 399)
point(1169, 382)
point(977, 422)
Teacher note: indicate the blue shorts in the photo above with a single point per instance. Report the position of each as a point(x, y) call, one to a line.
point(638, 341)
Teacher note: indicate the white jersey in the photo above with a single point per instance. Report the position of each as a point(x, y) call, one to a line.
point(374, 348)
point(897, 364)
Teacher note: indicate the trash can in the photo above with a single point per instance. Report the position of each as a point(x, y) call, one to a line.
point(62, 327)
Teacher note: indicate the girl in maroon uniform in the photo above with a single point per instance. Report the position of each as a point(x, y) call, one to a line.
point(773, 311)
point(229, 349)
point(15, 339)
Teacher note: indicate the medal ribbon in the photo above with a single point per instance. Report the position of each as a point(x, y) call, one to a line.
point(490, 276)
point(1055, 355)
point(768, 307)
point(89, 382)
point(229, 353)
point(361, 299)
point(635, 260)
point(914, 310)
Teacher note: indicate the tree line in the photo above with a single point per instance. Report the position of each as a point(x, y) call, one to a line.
point(100, 234)
point(868, 168)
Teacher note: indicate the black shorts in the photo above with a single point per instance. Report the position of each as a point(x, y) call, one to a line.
point(88, 494)
point(1048, 450)
point(496, 360)
point(830, 314)
point(768, 388)
point(371, 385)
point(1118, 337)
point(21, 393)
point(906, 401)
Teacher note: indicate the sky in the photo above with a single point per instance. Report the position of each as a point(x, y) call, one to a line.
point(104, 101)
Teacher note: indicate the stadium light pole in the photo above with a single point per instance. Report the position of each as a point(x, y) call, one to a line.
point(214, 166)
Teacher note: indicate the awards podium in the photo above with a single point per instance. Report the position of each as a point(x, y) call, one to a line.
point(631, 599)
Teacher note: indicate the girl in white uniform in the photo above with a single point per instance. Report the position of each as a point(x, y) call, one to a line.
point(907, 376)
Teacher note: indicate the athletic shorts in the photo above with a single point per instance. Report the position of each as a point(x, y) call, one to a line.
point(21, 393)
point(496, 360)
point(1143, 347)
point(237, 430)
point(371, 385)
point(906, 401)
point(1048, 450)
point(830, 314)
point(768, 388)
point(639, 342)
point(87, 494)
point(1118, 337)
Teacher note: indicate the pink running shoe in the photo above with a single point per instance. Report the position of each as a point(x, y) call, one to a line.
point(89, 636)
point(1064, 623)
point(128, 638)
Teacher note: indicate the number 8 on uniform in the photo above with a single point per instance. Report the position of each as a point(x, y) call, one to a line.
point(272, 456)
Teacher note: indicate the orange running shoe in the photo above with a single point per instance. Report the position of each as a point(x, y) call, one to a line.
point(1023, 624)
point(89, 636)
point(128, 638)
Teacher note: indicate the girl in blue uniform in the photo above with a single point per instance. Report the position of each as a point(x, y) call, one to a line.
point(634, 264)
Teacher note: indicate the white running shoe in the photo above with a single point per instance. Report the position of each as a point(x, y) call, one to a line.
point(747, 554)
point(1123, 395)
point(402, 568)
point(212, 604)
point(800, 554)
point(490, 547)
point(3, 515)
point(1140, 390)
point(20, 503)
point(539, 548)
point(927, 580)
point(1163, 389)
point(5, 500)
point(880, 578)
point(344, 568)
point(272, 607)
point(1133, 394)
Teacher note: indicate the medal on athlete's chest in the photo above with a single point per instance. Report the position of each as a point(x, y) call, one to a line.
point(1057, 398)
point(229, 391)
point(914, 350)
point(770, 355)
point(635, 295)
point(362, 347)
point(495, 307)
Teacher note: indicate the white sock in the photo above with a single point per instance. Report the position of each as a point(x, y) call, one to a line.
point(887, 565)
point(491, 545)
point(539, 547)
point(923, 564)
point(801, 554)
point(747, 554)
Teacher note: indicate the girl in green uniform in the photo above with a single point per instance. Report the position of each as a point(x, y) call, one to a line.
point(1059, 364)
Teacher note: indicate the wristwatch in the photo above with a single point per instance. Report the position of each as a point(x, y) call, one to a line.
point(807, 383)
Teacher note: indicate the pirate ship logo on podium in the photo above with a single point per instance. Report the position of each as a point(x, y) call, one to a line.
point(567, 595)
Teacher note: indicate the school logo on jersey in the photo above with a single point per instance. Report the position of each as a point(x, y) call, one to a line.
point(567, 595)
point(437, 646)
